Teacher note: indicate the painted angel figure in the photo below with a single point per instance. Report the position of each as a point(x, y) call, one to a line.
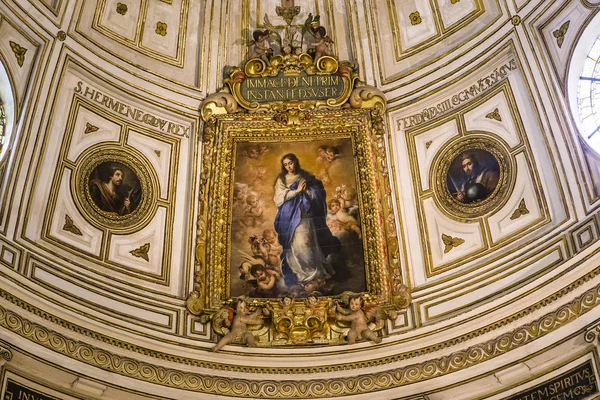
point(361, 322)
point(232, 324)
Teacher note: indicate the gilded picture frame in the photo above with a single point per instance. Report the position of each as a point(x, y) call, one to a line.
point(228, 138)
point(115, 187)
point(473, 176)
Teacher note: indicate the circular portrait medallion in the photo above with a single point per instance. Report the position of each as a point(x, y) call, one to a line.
point(114, 187)
point(472, 176)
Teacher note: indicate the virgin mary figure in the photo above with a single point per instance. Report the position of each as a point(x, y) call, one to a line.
point(300, 224)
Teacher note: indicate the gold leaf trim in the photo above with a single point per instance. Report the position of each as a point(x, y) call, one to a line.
point(142, 252)
point(428, 144)
point(69, 227)
point(19, 52)
point(319, 388)
point(451, 242)
point(521, 210)
point(296, 370)
point(157, 152)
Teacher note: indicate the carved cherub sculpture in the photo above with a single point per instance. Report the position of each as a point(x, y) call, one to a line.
point(235, 317)
point(287, 303)
point(262, 47)
point(322, 43)
point(359, 327)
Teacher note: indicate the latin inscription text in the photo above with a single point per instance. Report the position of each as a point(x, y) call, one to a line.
point(131, 112)
point(291, 88)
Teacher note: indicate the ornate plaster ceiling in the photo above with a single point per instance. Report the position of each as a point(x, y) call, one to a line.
point(88, 311)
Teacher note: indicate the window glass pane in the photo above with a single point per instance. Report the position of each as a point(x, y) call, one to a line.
point(588, 97)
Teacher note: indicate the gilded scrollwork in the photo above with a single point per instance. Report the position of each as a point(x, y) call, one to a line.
point(79, 350)
point(364, 96)
point(5, 354)
point(218, 103)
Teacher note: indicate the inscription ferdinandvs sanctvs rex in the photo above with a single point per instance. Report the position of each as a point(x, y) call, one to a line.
point(578, 383)
point(290, 88)
point(446, 106)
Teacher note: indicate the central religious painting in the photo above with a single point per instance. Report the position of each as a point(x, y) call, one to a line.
point(296, 239)
point(295, 219)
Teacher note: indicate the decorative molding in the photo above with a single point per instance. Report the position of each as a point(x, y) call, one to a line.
point(428, 144)
point(89, 128)
point(218, 103)
point(142, 252)
point(560, 33)
point(451, 242)
point(592, 334)
point(494, 115)
point(318, 388)
point(468, 336)
point(516, 20)
point(520, 211)
point(5, 354)
point(61, 35)
point(121, 8)
point(161, 28)
point(19, 52)
point(415, 18)
point(70, 227)
point(157, 152)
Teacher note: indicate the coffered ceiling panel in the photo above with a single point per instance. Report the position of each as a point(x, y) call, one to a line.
point(497, 225)
point(103, 127)
point(425, 31)
point(161, 37)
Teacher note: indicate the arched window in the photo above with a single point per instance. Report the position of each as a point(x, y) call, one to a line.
point(588, 97)
point(584, 84)
point(7, 109)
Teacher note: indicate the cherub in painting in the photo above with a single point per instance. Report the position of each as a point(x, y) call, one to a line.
point(254, 210)
point(266, 279)
point(339, 220)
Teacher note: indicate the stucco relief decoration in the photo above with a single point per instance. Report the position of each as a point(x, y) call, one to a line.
point(472, 176)
point(114, 187)
point(309, 254)
point(19, 52)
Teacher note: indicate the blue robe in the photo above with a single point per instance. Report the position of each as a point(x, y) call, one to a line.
point(304, 235)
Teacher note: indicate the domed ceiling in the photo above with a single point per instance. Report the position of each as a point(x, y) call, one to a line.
point(98, 292)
